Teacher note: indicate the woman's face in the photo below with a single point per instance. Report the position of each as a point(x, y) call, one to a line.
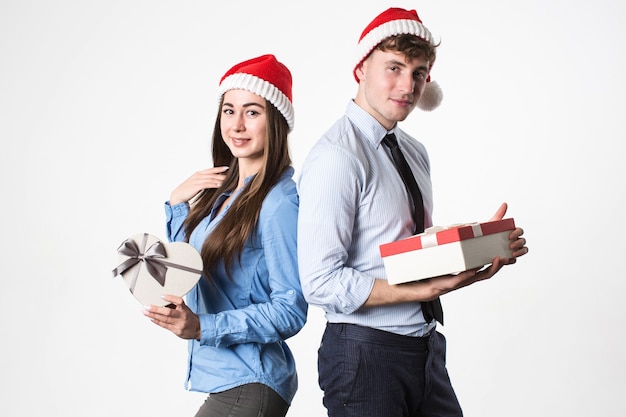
point(243, 124)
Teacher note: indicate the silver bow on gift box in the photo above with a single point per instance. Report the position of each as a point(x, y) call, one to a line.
point(153, 258)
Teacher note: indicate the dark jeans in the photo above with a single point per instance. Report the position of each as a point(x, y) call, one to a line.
point(250, 400)
point(367, 372)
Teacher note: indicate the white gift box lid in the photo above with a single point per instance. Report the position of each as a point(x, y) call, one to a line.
point(151, 268)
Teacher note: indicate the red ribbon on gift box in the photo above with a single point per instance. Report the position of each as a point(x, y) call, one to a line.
point(436, 235)
point(152, 258)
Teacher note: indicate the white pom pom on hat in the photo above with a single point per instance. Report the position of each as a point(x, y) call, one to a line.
point(396, 21)
point(431, 97)
point(266, 77)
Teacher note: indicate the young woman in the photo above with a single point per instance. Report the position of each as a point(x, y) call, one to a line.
point(242, 217)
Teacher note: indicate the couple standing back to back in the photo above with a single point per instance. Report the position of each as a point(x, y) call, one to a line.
point(270, 246)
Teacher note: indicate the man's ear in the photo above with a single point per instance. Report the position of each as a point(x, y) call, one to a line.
point(359, 73)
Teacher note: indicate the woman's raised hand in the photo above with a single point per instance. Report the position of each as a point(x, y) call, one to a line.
point(206, 178)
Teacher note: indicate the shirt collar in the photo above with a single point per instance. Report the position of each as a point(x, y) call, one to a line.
point(370, 129)
point(288, 173)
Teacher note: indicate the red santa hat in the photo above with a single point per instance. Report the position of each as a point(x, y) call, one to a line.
point(396, 21)
point(266, 77)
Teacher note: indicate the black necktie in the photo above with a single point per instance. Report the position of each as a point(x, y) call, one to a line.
point(430, 309)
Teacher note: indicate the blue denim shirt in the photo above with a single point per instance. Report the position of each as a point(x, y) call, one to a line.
point(245, 320)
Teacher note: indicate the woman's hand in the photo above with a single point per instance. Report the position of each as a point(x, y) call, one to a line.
point(207, 178)
point(176, 317)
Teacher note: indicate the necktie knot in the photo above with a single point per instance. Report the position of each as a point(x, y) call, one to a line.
point(390, 141)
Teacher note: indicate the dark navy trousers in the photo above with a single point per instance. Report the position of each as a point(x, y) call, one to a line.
point(367, 372)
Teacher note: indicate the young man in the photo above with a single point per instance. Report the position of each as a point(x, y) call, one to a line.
point(379, 355)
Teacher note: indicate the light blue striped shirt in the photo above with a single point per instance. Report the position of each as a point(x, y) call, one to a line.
point(352, 199)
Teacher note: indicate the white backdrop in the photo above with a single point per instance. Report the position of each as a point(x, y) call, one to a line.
point(105, 106)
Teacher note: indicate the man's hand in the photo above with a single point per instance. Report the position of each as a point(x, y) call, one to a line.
point(428, 289)
point(518, 243)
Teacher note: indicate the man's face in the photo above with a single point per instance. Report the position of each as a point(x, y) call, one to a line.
point(390, 85)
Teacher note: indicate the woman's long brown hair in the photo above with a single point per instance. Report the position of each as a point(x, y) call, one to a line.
point(226, 241)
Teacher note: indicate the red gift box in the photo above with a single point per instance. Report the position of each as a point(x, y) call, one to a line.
point(449, 250)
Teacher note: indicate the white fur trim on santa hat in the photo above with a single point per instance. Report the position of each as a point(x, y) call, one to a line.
point(262, 88)
point(391, 28)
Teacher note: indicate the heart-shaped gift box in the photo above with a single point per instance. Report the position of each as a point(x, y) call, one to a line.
point(151, 268)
